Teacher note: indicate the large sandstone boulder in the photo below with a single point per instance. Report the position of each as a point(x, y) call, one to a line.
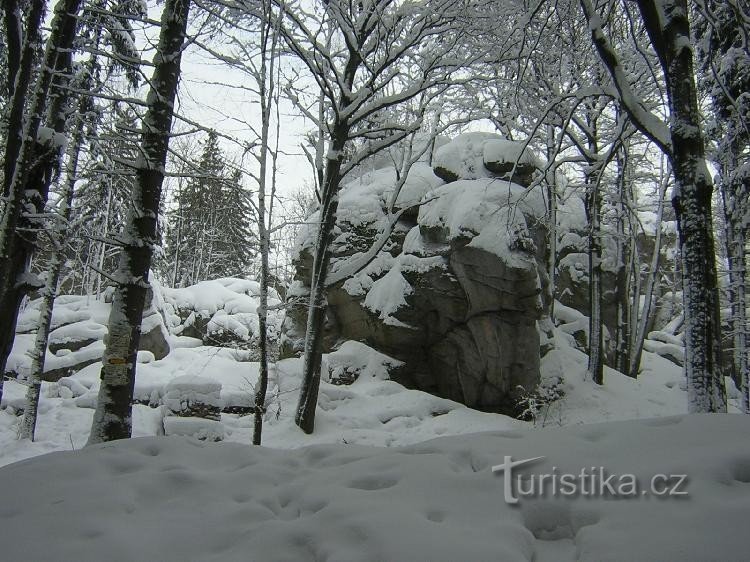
point(485, 155)
point(456, 293)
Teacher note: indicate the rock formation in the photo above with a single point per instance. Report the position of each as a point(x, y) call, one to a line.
point(456, 293)
point(77, 339)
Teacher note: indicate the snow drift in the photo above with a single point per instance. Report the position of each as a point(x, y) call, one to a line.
point(178, 499)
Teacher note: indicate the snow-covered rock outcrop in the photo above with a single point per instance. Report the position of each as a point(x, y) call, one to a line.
point(77, 339)
point(221, 312)
point(456, 293)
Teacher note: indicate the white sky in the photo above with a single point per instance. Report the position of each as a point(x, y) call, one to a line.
point(231, 110)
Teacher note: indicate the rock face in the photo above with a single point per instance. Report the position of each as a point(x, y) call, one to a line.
point(572, 280)
point(456, 293)
point(192, 396)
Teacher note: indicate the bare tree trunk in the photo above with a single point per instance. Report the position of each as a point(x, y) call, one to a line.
point(593, 215)
point(32, 176)
point(622, 328)
point(14, 40)
point(266, 86)
point(102, 244)
point(735, 241)
point(669, 29)
point(308, 398)
point(28, 425)
point(552, 207)
point(112, 419)
point(19, 78)
point(176, 265)
point(644, 317)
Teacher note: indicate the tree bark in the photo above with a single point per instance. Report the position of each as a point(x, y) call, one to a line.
point(113, 415)
point(622, 316)
point(593, 215)
point(735, 240)
point(266, 87)
point(32, 175)
point(28, 424)
point(308, 398)
point(19, 79)
point(669, 30)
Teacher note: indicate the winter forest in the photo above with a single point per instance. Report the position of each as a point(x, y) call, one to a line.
point(468, 270)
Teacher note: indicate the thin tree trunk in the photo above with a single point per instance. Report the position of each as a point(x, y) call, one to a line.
point(552, 205)
point(14, 40)
point(176, 266)
point(266, 87)
point(644, 317)
point(330, 183)
point(668, 28)
point(113, 415)
point(622, 328)
point(308, 398)
point(19, 80)
point(28, 425)
point(593, 212)
point(102, 244)
point(735, 241)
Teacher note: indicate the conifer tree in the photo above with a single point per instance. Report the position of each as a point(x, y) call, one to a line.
point(208, 233)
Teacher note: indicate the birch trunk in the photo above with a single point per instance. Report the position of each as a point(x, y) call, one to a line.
point(113, 415)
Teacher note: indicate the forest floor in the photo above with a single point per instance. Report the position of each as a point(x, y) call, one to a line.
point(389, 474)
point(371, 411)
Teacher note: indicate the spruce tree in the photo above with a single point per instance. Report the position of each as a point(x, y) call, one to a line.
point(208, 232)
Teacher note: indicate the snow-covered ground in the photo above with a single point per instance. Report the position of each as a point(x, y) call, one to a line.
point(389, 473)
point(171, 498)
point(371, 411)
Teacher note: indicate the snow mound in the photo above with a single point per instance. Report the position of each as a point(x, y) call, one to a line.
point(78, 329)
point(388, 294)
point(199, 428)
point(479, 155)
point(186, 391)
point(363, 200)
point(464, 155)
point(434, 501)
point(492, 213)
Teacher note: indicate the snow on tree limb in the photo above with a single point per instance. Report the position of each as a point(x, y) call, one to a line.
point(648, 123)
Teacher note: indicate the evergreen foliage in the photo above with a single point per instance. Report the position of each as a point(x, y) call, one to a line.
point(208, 232)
